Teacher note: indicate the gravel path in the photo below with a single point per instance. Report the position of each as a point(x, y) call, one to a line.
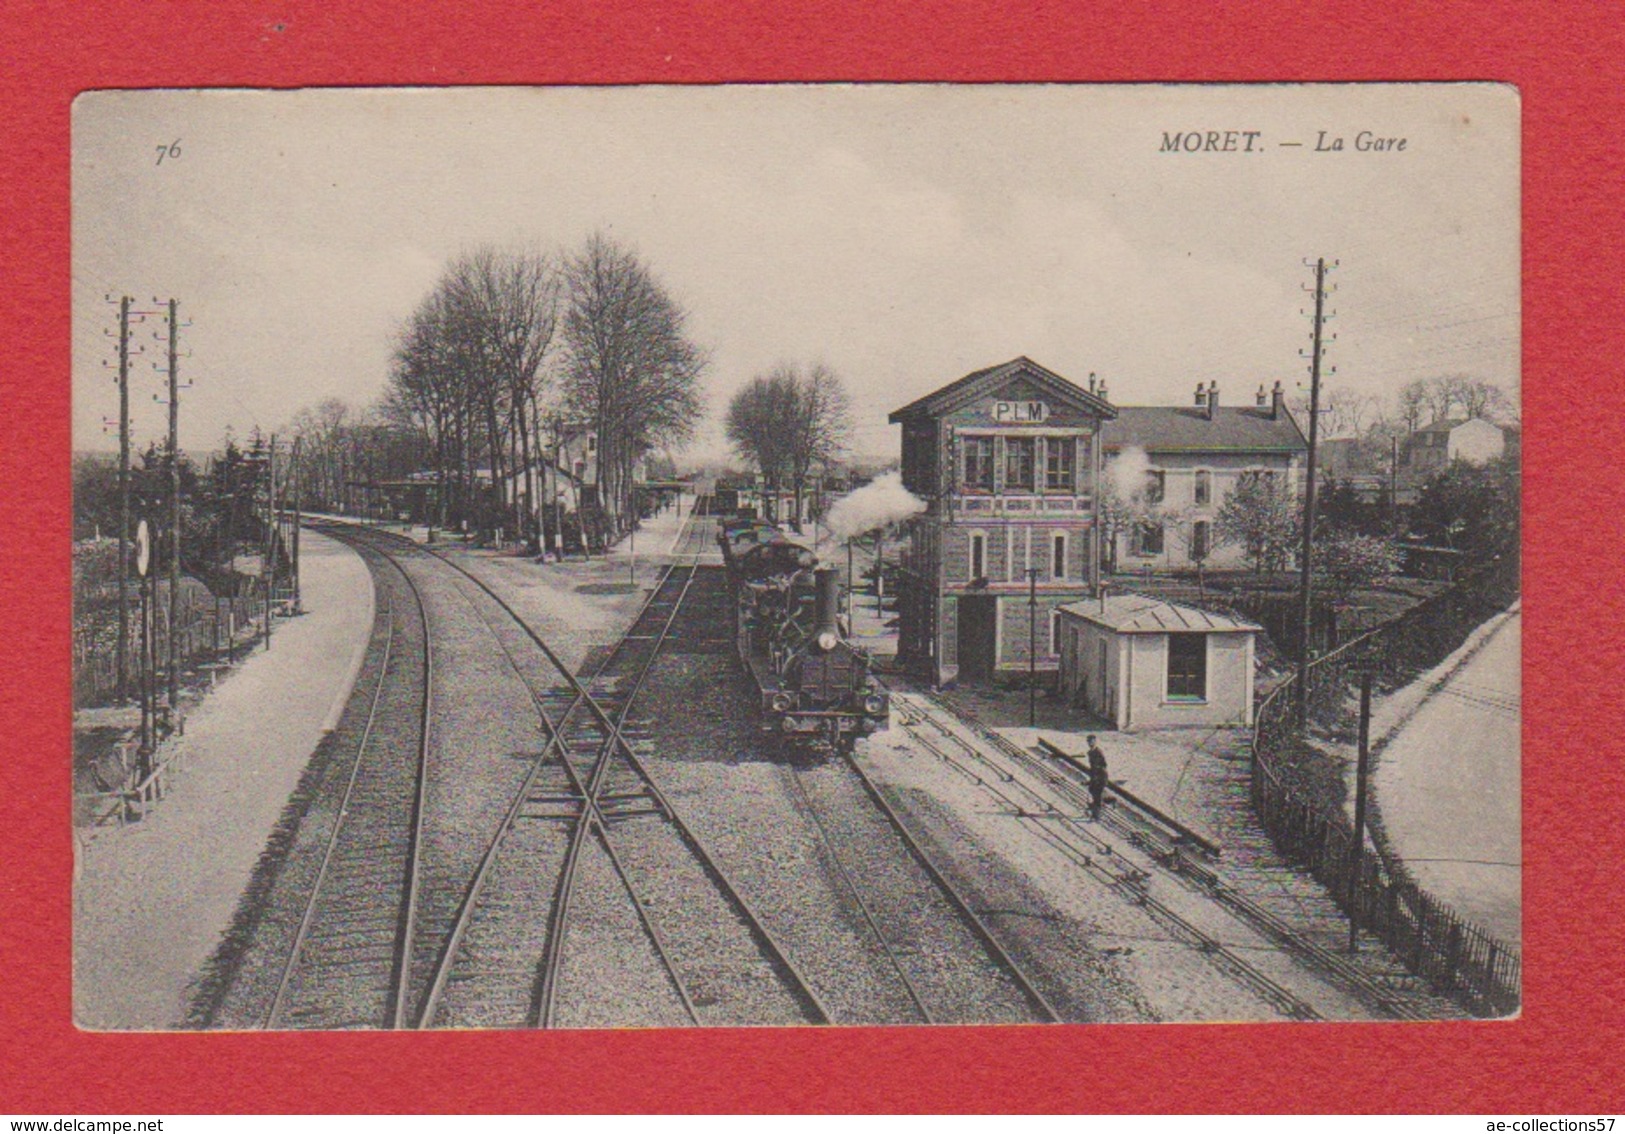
point(1447, 779)
point(156, 897)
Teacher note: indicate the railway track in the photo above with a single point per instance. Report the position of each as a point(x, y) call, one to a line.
point(912, 912)
point(1009, 777)
point(348, 964)
point(587, 799)
point(594, 903)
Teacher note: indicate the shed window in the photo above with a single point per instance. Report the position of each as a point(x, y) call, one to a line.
point(1187, 667)
point(1018, 464)
point(1054, 631)
point(979, 463)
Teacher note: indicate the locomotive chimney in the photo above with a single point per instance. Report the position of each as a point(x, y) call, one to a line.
point(828, 603)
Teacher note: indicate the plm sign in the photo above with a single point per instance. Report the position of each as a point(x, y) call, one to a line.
point(1021, 413)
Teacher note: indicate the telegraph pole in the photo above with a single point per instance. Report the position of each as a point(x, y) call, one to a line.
point(1305, 566)
point(298, 487)
point(174, 513)
point(123, 495)
point(269, 573)
point(1362, 774)
point(1032, 647)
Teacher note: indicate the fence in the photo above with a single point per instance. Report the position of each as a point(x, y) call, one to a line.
point(1435, 943)
point(205, 627)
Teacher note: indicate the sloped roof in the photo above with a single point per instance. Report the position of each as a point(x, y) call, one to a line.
point(1348, 456)
point(1187, 429)
point(971, 386)
point(1141, 614)
point(1450, 425)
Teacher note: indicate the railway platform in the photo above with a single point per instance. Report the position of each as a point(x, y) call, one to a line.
point(153, 897)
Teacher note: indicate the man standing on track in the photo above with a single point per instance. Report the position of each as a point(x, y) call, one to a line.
point(1097, 777)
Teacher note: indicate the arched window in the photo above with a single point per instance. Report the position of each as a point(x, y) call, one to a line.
point(1204, 487)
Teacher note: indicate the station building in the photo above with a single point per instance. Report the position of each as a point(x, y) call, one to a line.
point(1196, 456)
point(1008, 462)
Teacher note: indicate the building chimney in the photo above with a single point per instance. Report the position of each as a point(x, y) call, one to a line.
point(1263, 398)
point(1091, 381)
point(1201, 396)
point(1212, 398)
point(1101, 393)
point(1277, 401)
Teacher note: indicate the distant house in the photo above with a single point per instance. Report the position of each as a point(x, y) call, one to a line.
point(1514, 441)
point(1197, 455)
point(1141, 662)
point(1431, 448)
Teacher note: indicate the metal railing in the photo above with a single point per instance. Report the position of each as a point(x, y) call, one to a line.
point(1373, 887)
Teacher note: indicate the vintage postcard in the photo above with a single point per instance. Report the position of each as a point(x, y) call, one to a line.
point(780, 555)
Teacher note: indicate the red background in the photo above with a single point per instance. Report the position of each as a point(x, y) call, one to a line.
point(1567, 61)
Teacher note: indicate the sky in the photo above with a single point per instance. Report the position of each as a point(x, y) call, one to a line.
point(902, 234)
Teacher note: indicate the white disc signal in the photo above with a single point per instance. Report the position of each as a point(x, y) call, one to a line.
point(143, 549)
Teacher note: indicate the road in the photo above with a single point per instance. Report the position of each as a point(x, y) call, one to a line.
point(1447, 783)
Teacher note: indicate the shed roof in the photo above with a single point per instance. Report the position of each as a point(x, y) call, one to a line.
point(1187, 429)
point(1141, 614)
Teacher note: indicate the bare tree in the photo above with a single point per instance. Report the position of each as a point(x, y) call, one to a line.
point(788, 422)
point(629, 367)
point(468, 373)
point(1413, 405)
point(758, 425)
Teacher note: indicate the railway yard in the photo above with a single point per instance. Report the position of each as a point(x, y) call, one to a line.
point(509, 830)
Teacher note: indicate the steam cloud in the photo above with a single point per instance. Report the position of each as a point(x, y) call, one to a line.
point(1127, 471)
point(881, 502)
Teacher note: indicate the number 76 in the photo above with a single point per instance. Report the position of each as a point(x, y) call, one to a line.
point(171, 151)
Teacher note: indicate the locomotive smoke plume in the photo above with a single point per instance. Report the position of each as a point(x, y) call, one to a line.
point(881, 502)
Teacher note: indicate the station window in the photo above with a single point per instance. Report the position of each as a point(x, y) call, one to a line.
point(1204, 487)
point(1187, 667)
point(979, 463)
point(1018, 464)
point(1199, 540)
point(1156, 486)
point(1058, 556)
point(1059, 461)
point(1055, 632)
point(1147, 538)
point(978, 556)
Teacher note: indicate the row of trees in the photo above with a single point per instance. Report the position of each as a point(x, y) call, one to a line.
point(509, 344)
point(788, 422)
point(1375, 425)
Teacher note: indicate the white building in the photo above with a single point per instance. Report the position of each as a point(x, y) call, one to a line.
point(1141, 662)
point(1197, 455)
point(1432, 447)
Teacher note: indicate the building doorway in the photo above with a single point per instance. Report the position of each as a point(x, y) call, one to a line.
point(978, 636)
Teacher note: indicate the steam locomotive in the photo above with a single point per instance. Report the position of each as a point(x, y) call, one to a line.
point(812, 683)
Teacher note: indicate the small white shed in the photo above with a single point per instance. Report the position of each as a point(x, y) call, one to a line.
point(1142, 662)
